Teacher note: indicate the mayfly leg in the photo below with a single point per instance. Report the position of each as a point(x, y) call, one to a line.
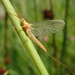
point(15, 15)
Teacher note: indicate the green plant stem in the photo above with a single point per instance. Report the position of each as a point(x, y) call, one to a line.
point(25, 40)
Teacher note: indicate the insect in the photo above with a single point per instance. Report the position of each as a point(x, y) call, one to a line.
point(46, 28)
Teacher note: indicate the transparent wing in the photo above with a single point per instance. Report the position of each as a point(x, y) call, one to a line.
point(35, 31)
point(47, 27)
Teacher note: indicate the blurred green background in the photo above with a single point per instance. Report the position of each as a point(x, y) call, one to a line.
point(60, 45)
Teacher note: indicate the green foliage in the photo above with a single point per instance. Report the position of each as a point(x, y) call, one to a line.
point(18, 62)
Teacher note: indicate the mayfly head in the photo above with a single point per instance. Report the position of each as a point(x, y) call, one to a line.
point(23, 22)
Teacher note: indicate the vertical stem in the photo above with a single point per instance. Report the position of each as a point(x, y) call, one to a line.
point(63, 52)
point(6, 55)
point(65, 31)
point(5, 34)
point(54, 44)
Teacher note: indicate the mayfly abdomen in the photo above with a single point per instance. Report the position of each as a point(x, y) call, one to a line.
point(36, 41)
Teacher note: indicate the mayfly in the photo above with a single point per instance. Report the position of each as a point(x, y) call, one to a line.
point(46, 28)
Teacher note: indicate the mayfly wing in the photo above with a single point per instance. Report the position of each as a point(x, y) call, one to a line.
point(47, 27)
point(35, 31)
